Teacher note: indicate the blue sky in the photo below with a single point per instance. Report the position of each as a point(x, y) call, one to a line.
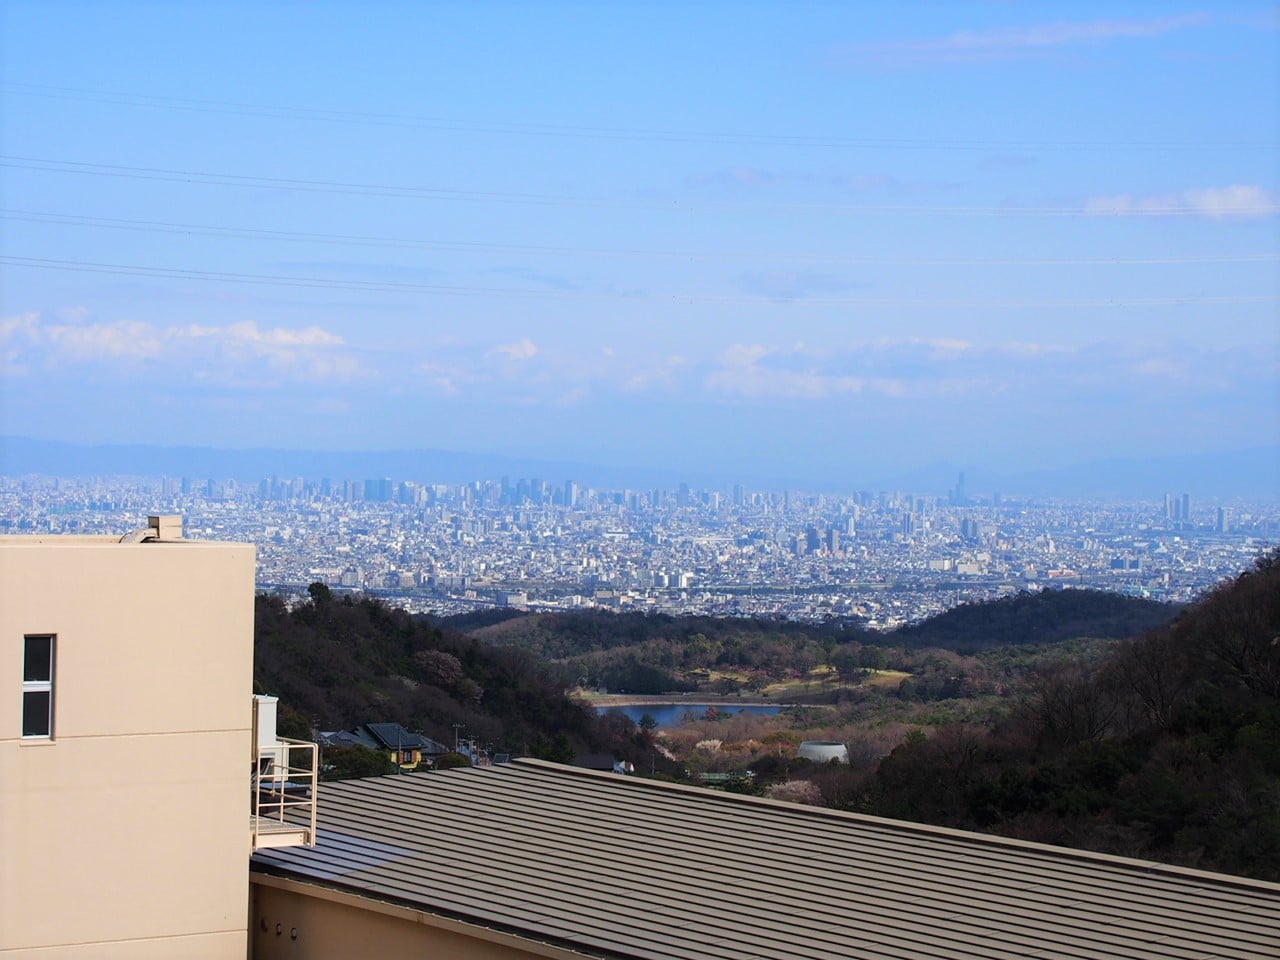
point(838, 239)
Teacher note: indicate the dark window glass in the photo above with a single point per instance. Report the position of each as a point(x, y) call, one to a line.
point(36, 717)
point(37, 664)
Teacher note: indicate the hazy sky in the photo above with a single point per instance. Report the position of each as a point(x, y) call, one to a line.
point(819, 236)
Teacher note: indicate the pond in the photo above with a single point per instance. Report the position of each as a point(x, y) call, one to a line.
point(671, 714)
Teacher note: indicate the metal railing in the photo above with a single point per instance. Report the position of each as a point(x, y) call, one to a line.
point(285, 774)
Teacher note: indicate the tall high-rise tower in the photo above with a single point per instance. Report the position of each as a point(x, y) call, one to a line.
point(1224, 520)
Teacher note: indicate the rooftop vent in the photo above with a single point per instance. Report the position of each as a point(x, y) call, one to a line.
point(163, 526)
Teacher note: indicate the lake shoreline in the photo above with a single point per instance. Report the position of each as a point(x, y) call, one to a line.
point(602, 700)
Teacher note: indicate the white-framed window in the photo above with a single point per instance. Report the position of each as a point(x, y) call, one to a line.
point(37, 686)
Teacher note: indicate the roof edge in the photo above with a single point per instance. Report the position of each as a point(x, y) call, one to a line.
point(354, 896)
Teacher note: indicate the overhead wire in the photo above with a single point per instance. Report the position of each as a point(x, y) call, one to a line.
point(427, 193)
point(579, 131)
point(257, 182)
point(251, 233)
point(386, 286)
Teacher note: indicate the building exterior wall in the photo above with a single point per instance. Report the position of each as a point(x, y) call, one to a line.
point(126, 833)
point(299, 921)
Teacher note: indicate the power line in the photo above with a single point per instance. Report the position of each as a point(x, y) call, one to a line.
point(162, 174)
point(578, 131)
point(274, 183)
point(251, 233)
point(385, 286)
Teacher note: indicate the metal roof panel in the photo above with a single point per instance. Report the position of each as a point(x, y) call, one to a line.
point(620, 867)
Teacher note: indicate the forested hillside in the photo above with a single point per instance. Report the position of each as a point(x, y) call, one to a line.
point(565, 634)
point(338, 663)
point(1168, 748)
point(1043, 617)
point(654, 654)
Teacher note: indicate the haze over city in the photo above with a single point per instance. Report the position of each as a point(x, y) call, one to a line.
point(822, 244)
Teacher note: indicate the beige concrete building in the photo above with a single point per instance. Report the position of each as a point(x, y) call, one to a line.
point(127, 747)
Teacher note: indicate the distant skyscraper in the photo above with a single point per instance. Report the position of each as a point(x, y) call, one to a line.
point(1224, 520)
point(379, 489)
point(1186, 507)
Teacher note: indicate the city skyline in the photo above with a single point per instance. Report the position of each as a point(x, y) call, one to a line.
point(807, 245)
point(882, 558)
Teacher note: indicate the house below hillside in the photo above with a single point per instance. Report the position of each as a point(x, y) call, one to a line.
point(404, 748)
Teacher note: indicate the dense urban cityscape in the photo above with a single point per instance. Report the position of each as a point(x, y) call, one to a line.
point(882, 558)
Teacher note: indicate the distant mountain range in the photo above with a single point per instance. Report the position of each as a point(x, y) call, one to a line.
point(1252, 473)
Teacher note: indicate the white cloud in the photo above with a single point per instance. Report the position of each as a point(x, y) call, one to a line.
point(124, 338)
point(31, 336)
point(1160, 367)
point(1060, 34)
point(15, 332)
point(758, 381)
point(302, 353)
point(896, 368)
point(1238, 201)
point(944, 368)
point(524, 349)
point(663, 374)
point(23, 324)
point(1005, 42)
point(232, 355)
point(448, 378)
point(938, 345)
point(1020, 348)
point(745, 355)
point(248, 332)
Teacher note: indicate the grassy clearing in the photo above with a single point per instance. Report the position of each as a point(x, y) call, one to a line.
point(885, 678)
point(819, 679)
